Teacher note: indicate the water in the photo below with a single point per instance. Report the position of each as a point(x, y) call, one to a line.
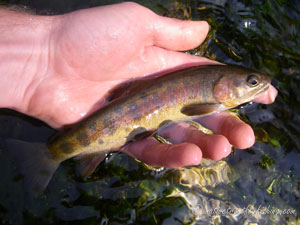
point(263, 35)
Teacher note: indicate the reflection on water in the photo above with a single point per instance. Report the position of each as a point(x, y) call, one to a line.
point(259, 185)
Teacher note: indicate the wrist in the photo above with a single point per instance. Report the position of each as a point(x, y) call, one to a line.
point(24, 56)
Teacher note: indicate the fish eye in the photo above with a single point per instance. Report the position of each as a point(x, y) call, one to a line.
point(252, 80)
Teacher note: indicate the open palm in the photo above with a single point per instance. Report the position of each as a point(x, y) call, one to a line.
point(93, 50)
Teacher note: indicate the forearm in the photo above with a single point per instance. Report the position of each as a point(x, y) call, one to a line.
point(24, 53)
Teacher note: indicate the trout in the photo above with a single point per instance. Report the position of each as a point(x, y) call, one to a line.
point(146, 104)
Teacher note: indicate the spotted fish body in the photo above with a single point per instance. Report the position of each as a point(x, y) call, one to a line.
point(199, 90)
point(112, 126)
point(156, 100)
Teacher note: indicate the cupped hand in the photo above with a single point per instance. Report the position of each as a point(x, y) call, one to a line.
point(93, 50)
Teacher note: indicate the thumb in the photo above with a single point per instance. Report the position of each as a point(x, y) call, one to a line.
point(178, 35)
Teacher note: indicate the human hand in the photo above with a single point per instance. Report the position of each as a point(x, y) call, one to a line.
point(88, 52)
point(93, 50)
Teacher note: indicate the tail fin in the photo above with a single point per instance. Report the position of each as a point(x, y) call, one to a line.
point(34, 162)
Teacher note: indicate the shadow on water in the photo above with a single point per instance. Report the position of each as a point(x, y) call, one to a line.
point(258, 185)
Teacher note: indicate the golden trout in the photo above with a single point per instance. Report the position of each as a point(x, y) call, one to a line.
point(194, 91)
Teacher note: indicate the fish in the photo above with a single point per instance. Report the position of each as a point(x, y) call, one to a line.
point(141, 106)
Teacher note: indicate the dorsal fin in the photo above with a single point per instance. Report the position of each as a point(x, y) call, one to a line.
point(128, 87)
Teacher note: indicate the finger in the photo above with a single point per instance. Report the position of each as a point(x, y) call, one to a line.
point(177, 34)
point(236, 131)
point(213, 147)
point(159, 154)
point(268, 96)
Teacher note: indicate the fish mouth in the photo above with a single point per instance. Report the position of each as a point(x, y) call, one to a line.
point(262, 90)
point(231, 104)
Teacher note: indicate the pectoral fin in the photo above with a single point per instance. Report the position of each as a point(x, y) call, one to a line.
point(200, 109)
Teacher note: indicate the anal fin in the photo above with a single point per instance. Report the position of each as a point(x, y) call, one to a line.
point(87, 163)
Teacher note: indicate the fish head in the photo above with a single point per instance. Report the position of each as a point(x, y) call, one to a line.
point(239, 86)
